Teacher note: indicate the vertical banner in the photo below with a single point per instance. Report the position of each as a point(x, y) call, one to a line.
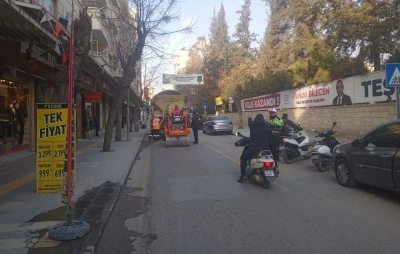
point(51, 146)
point(64, 192)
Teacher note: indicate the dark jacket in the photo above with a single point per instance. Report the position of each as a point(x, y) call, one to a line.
point(289, 127)
point(346, 100)
point(260, 133)
point(195, 122)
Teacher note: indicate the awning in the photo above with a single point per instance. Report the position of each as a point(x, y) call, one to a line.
point(17, 25)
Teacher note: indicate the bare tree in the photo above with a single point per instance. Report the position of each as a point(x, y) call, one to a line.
point(140, 24)
point(150, 72)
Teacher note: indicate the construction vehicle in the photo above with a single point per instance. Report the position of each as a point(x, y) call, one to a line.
point(176, 128)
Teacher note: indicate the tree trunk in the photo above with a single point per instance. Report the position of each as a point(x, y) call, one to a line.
point(376, 58)
point(239, 108)
point(118, 125)
point(112, 115)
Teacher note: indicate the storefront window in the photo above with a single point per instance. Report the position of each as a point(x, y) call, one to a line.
point(13, 115)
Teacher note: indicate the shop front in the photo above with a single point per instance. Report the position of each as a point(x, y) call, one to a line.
point(27, 77)
point(14, 124)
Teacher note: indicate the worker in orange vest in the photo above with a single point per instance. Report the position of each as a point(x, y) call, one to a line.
point(155, 126)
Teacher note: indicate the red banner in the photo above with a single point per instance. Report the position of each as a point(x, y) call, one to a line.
point(262, 102)
point(94, 97)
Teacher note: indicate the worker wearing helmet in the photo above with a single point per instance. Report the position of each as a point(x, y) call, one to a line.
point(276, 125)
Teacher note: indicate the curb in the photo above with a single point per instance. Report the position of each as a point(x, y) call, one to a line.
point(91, 248)
point(2, 162)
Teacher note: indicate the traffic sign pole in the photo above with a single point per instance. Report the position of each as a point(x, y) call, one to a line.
point(393, 80)
point(398, 102)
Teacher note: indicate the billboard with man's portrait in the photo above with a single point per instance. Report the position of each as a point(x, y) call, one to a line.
point(357, 89)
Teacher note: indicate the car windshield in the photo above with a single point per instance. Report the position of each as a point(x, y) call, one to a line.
point(220, 118)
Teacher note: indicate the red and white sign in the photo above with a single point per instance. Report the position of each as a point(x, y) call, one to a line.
point(94, 97)
point(262, 102)
point(366, 88)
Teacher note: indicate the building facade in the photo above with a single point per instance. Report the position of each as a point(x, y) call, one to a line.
point(34, 39)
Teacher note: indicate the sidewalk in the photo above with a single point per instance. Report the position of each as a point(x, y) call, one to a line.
point(25, 216)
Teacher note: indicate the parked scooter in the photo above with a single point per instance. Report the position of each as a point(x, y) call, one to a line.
point(294, 146)
point(261, 168)
point(321, 152)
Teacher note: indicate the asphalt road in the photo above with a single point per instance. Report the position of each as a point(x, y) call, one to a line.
point(187, 200)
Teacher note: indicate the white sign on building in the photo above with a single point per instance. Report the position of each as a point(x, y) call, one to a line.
point(186, 79)
point(357, 89)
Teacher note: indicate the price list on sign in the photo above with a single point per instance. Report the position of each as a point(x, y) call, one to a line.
point(51, 146)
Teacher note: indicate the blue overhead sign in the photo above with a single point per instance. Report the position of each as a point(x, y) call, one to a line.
point(392, 74)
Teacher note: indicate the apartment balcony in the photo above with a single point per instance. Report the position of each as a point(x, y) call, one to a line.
point(56, 9)
point(18, 24)
point(99, 30)
point(106, 60)
point(34, 20)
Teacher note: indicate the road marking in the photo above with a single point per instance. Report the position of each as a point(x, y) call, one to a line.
point(147, 167)
point(279, 186)
point(46, 242)
point(21, 181)
point(10, 186)
point(222, 154)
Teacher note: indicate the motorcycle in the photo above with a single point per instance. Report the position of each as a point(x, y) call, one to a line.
point(321, 153)
point(261, 168)
point(156, 135)
point(295, 145)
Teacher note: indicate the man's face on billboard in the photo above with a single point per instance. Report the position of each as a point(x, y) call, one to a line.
point(339, 88)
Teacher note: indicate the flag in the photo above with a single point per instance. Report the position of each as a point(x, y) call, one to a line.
point(45, 18)
point(65, 58)
point(63, 21)
point(57, 49)
point(57, 29)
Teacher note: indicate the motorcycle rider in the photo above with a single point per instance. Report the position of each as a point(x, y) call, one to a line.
point(260, 136)
point(289, 125)
point(276, 124)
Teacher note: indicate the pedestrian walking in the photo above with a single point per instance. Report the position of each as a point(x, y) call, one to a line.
point(195, 127)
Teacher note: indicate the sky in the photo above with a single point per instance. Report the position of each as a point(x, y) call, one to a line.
point(201, 11)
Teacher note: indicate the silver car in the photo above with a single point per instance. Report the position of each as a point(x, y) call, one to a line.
point(217, 124)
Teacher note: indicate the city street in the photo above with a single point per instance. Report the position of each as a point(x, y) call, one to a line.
point(26, 216)
point(187, 200)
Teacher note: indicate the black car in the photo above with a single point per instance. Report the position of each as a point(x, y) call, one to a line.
point(374, 158)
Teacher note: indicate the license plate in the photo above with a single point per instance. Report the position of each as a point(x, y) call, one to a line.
point(314, 157)
point(269, 173)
